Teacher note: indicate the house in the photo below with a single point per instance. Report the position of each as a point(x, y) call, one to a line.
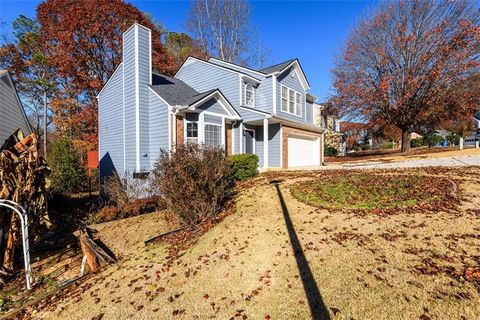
point(12, 114)
point(265, 112)
point(325, 117)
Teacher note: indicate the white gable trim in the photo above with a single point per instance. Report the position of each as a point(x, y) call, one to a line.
point(222, 101)
point(192, 59)
point(237, 66)
point(298, 71)
point(108, 81)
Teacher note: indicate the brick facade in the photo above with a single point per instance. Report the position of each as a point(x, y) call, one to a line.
point(288, 130)
point(180, 130)
point(228, 139)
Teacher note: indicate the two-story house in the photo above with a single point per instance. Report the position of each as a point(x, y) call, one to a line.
point(216, 103)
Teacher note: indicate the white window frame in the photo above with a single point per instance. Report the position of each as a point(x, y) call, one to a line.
point(186, 130)
point(245, 95)
point(205, 124)
point(295, 104)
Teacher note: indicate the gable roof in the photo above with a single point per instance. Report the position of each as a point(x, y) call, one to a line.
point(6, 74)
point(177, 93)
point(277, 67)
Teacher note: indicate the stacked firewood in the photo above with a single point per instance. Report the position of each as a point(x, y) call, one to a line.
point(23, 173)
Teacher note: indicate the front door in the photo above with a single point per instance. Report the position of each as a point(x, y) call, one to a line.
point(248, 140)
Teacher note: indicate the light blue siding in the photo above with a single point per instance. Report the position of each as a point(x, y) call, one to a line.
point(292, 83)
point(239, 69)
point(212, 119)
point(274, 143)
point(203, 76)
point(309, 113)
point(12, 115)
point(264, 96)
point(110, 130)
point(158, 126)
point(144, 75)
point(212, 106)
point(248, 115)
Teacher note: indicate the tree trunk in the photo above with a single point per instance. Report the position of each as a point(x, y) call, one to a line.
point(406, 135)
point(45, 110)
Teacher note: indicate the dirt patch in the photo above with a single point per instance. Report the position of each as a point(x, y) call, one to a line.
point(402, 266)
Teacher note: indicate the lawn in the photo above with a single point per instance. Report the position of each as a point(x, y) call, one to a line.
point(278, 257)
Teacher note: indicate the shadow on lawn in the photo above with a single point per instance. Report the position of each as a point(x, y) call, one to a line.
point(317, 307)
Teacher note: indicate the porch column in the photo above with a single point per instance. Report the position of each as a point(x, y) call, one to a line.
point(265, 143)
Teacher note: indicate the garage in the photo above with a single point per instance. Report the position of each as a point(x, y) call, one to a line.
point(303, 151)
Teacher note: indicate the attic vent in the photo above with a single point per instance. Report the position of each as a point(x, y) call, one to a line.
point(292, 73)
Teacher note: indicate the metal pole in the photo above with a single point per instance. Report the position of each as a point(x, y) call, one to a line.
point(24, 224)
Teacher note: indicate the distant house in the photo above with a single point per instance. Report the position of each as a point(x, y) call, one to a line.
point(12, 114)
point(266, 112)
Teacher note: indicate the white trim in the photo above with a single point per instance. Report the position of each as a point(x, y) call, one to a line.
point(223, 133)
point(150, 57)
point(137, 102)
point(245, 95)
point(136, 24)
point(108, 81)
point(170, 129)
point(274, 97)
point(255, 111)
point(241, 137)
point(236, 66)
point(222, 140)
point(288, 101)
point(281, 145)
point(224, 103)
point(123, 108)
point(174, 131)
point(185, 122)
point(190, 59)
point(201, 127)
point(303, 78)
point(265, 143)
point(233, 138)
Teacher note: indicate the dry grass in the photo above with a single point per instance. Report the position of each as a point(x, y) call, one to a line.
point(365, 266)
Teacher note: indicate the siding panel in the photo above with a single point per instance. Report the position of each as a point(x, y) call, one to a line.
point(158, 127)
point(212, 106)
point(274, 139)
point(11, 115)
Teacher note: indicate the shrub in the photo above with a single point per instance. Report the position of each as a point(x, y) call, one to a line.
point(453, 139)
point(196, 182)
point(432, 140)
point(67, 173)
point(417, 142)
point(387, 145)
point(330, 151)
point(244, 166)
point(365, 147)
point(115, 191)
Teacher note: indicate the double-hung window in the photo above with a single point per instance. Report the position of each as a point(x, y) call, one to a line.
point(192, 132)
point(213, 137)
point(291, 101)
point(249, 95)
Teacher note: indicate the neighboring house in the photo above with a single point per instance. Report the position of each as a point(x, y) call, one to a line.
point(265, 112)
point(12, 114)
point(324, 118)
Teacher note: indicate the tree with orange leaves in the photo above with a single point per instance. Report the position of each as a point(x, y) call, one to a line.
point(399, 64)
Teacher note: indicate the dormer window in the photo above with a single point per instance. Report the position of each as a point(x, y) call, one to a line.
point(249, 95)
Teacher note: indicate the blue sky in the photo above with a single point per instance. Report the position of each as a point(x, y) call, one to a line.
point(312, 31)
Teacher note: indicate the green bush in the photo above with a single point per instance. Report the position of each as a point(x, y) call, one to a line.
point(417, 142)
point(432, 140)
point(67, 173)
point(387, 145)
point(365, 147)
point(453, 139)
point(330, 151)
point(244, 166)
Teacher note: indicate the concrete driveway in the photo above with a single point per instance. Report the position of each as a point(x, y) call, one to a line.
point(460, 161)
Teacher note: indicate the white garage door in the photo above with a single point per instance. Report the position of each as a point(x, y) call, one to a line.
point(303, 151)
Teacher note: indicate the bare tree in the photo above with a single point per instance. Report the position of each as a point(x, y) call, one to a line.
point(400, 63)
point(223, 29)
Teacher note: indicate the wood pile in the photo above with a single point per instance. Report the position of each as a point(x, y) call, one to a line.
point(23, 173)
